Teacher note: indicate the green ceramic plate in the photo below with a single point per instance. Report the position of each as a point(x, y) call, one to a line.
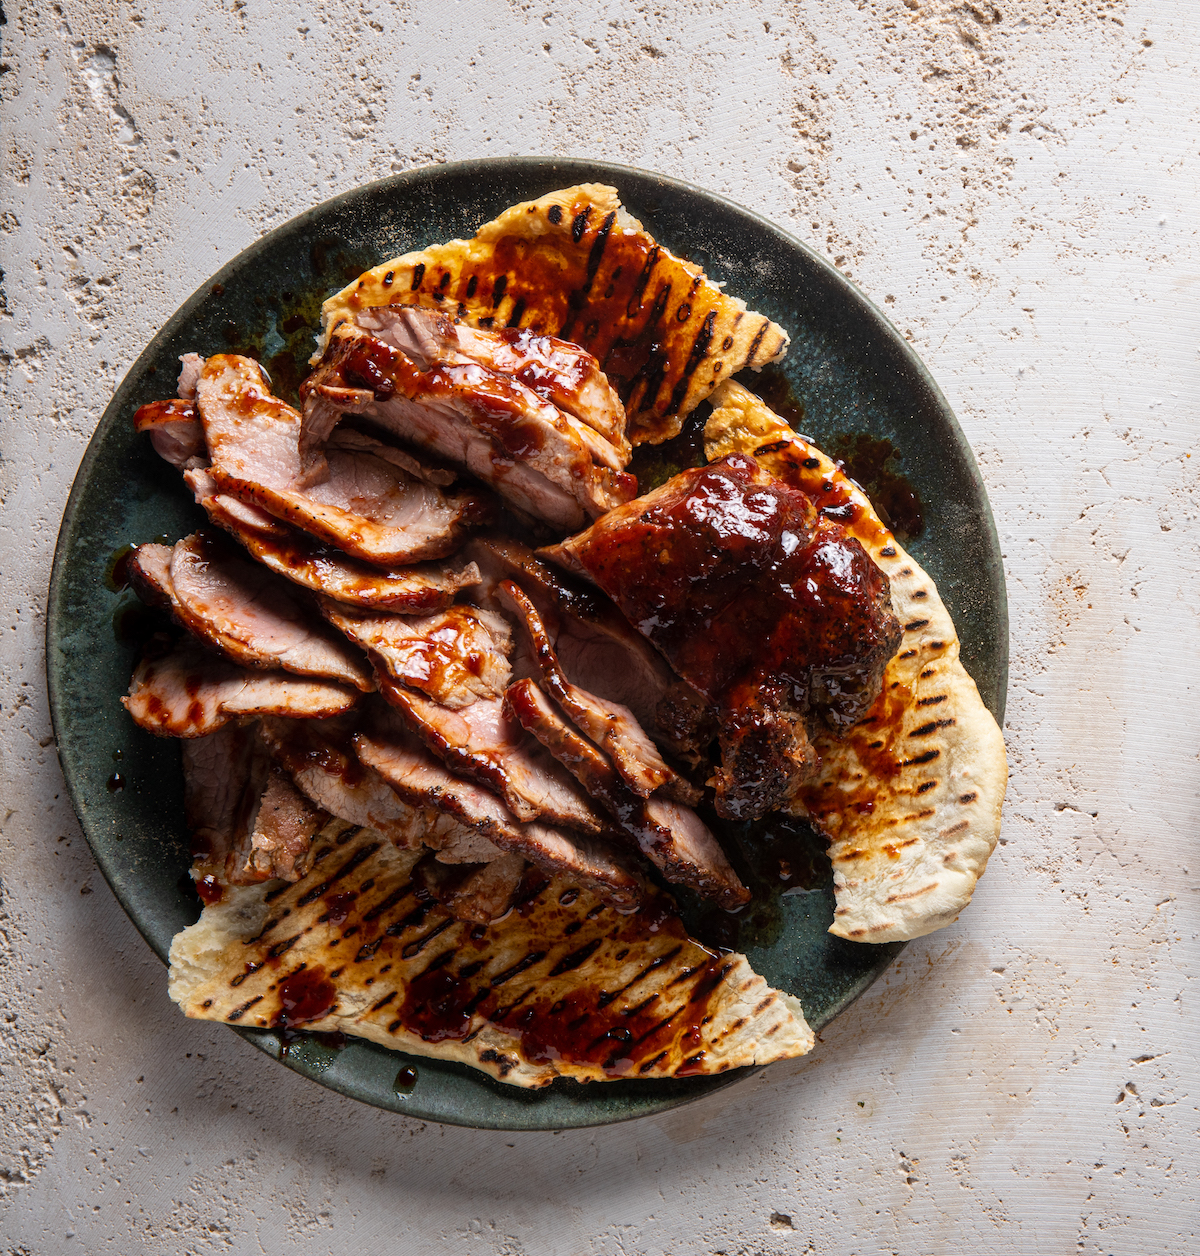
point(863, 394)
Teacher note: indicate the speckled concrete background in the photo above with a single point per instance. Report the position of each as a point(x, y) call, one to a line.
point(1016, 184)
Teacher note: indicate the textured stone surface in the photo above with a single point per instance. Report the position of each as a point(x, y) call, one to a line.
point(1016, 185)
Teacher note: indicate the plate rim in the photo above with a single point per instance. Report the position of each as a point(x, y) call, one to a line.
point(584, 169)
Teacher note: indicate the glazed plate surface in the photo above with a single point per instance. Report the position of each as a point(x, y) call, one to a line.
point(855, 387)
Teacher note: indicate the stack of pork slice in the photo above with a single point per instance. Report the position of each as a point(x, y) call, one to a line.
point(360, 640)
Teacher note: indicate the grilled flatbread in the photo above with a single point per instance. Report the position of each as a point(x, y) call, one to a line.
point(574, 264)
point(562, 986)
point(911, 796)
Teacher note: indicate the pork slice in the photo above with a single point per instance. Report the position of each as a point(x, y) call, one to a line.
point(463, 401)
point(224, 776)
point(353, 440)
point(611, 725)
point(479, 892)
point(175, 430)
point(281, 843)
point(454, 656)
point(481, 741)
point(669, 834)
point(421, 779)
point(251, 616)
point(320, 759)
point(360, 503)
point(301, 559)
point(149, 568)
point(594, 642)
point(184, 691)
point(438, 428)
point(559, 372)
point(190, 366)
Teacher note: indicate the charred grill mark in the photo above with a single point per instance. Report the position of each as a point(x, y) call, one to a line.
point(418, 275)
point(251, 969)
point(926, 786)
point(368, 949)
point(908, 654)
point(554, 213)
point(504, 1064)
point(472, 284)
point(920, 593)
point(413, 920)
point(931, 727)
point(445, 281)
point(916, 623)
point(579, 225)
point(966, 798)
point(389, 279)
point(606, 999)
point(518, 312)
point(534, 957)
point(756, 343)
point(635, 298)
point(360, 856)
point(388, 903)
point(239, 1012)
point(695, 357)
point(282, 948)
point(575, 958)
point(772, 448)
point(415, 948)
point(941, 697)
point(927, 757)
point(649, 1064)
point(498, 290)
point(888, 551)
point(960, 827)
point(387, 998)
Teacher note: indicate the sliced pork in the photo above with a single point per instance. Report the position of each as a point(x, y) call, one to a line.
point(558, 371)
point(773, 613)
point(483, 742)
point(325, 766)
point(455, 656)
point(360, 503)
point(423, 781)
point(594, 642)
point(476, 892)
point(671, 836)
point(224, 776)
point(175, 431)
point(320, 759)
point(303, 560)
point(281, 843)
point(183, 690)
point(546, 463)
point(612, 726)
point(249, 615)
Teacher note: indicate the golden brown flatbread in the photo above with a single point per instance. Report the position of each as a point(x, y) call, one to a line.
point(563, 986)
point(911, 796)
point(574, 264)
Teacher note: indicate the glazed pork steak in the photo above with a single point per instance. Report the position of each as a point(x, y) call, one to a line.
point(771, 611)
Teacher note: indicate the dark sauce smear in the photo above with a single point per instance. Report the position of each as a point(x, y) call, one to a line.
point(775, 857)
point(654, 465)
point(133, 623)
point(116, 570)
point(870, 462)
point(306, 995)
point(774, 387)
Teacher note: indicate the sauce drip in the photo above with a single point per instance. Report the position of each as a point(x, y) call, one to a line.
point(307, 995)
point(870, 462)
point(406, 1081)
